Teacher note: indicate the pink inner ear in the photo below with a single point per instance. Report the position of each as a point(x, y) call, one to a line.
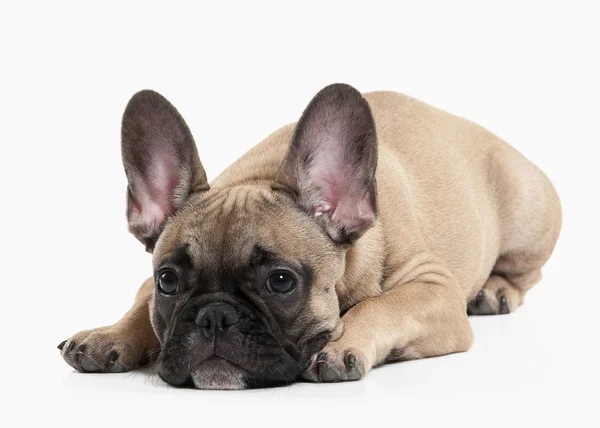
point(154, 195)
point(340, 193)
point(355, 212)
point(333, 158)
point(146, 216)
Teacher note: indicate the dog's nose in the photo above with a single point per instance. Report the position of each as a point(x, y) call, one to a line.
point(216, 317)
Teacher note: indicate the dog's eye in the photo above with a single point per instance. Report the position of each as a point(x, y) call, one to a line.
point(168, 283)
point(280, 282)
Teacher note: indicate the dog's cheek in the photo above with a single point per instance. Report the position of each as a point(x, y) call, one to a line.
point(324, 309)
point(159, 324)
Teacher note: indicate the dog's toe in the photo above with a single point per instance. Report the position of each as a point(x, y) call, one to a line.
point(503, 306)
point(333, 365)
point(328, 374)
point(114, 365)
point(88, 365)
point(68, 355)
point(486, 303)
point(103, 351)
point(497, 297)
point(482, 304)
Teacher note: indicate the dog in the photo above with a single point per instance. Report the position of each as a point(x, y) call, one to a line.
point(365, 233)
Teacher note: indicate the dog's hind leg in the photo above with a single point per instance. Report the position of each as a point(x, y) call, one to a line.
point(123, 346)
point(512, 277)
point(498, 296)
point(530, 215)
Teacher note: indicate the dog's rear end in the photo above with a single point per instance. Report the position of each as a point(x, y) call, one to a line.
point(467, 197)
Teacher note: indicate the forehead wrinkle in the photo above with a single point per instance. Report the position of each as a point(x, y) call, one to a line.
point(223, 201)
point(223, 225)
point(239, 241)
point(219, 223)
point(245, 198)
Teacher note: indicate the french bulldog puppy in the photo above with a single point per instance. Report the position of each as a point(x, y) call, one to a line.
point(362, 234)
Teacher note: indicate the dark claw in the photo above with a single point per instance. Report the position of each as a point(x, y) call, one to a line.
point(71, 346)
point(479, 298)
point(351, 361)
point(81, 349)
point(321, 357)
point(89, 366)
point(112, 357)
point(503, 306)
point(61, 345)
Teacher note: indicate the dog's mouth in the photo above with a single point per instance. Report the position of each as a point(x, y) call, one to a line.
point(211, 369)
point(225, 365)
point(243, 355)
point(218, 373)
point(212, 373)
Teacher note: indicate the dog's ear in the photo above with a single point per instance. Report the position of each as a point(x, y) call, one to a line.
point(161, 163)
point(330, 166)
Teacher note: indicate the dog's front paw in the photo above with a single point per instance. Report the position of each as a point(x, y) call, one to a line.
point(336, 363)
point(105, 350)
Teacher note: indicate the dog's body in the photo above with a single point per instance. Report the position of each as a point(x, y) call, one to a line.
point(463, 223)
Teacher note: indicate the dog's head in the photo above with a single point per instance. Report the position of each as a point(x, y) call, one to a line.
point(246, 275)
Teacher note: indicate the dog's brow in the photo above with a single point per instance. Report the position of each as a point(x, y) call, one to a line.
point(261, 256)
point(180, 257)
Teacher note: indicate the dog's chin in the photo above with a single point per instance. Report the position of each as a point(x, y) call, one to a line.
point(217, 373)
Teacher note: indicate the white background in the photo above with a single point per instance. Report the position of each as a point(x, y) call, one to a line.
point(528, 71)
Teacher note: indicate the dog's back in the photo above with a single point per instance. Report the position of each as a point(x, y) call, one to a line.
point(463, 193)
point(449, 191)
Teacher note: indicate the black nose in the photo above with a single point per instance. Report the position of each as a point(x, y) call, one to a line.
point(216, 317)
